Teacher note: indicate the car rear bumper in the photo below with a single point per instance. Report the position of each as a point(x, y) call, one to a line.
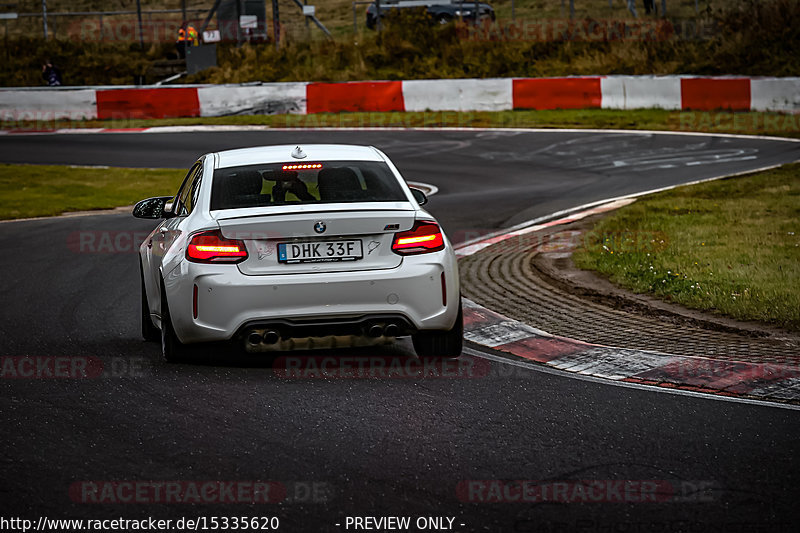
point(229, 304)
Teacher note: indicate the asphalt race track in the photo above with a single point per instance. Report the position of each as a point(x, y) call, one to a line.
point(370, 446)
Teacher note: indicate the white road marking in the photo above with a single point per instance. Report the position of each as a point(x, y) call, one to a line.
point(201, 128)
point(612, 363)
point(432, 189)
point(68, 131)
point(787, 389)
point(503, 333)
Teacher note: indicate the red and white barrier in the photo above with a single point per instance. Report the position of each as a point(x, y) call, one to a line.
point(707, 94)
point(458, 95)
point(148, 103)
point(265, 99)
point(355, 96)
point(557, 93)
point(33, 104)
point(579, 92)
point(641, 92)
point(775, 94)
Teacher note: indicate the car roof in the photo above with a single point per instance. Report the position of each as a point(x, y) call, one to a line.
point(283, 154)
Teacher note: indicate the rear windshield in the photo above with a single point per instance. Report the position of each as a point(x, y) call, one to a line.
point(304, 183)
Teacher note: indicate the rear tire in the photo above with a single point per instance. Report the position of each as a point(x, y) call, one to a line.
point(441, 344)
point(150, 332)
point(172, 348)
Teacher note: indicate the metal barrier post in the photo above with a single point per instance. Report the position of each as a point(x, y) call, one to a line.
point(276, 25)
point(44, 17)
point(139, 16)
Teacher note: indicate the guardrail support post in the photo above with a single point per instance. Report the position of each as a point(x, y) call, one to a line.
point(44, 18)
point(276, 24)
point(139, 16)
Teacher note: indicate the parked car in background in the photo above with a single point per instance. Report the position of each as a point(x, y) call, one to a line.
point(442, 11)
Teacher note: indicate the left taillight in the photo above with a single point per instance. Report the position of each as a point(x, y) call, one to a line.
point(212, 247)
point(424, 237)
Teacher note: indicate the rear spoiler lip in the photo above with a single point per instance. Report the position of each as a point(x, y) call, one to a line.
point(274, 211)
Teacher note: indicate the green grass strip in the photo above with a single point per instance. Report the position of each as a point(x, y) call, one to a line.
point(44, 190)
point(747, 123)
point(730, 246)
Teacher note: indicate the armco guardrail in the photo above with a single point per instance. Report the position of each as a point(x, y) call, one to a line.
point(499, 94)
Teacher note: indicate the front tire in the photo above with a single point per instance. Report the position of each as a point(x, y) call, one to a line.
point(172, 348)
point(441, 344)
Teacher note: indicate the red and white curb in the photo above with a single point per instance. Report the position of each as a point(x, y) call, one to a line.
point(493, 330)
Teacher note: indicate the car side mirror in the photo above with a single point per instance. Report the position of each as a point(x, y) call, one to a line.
point(156, 207)
point(419, 196)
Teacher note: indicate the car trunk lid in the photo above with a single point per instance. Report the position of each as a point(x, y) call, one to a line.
point(283, 241)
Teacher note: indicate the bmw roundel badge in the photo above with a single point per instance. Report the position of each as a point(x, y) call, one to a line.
point(320, 227)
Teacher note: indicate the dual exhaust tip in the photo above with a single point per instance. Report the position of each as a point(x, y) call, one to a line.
point(271, 336)
point(389, 330)
point(268, 337)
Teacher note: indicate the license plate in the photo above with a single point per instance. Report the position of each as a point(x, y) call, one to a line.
point(319, 251)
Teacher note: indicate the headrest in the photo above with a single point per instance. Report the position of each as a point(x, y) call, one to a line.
point(244, 182)
point(338, 184)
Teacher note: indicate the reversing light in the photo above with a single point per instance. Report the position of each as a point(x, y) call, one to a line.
point(424, 237)
point(305, 166)
point(212, 247)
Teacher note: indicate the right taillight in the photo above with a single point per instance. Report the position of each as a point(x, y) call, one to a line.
point(424, 237)
point(212, 247)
